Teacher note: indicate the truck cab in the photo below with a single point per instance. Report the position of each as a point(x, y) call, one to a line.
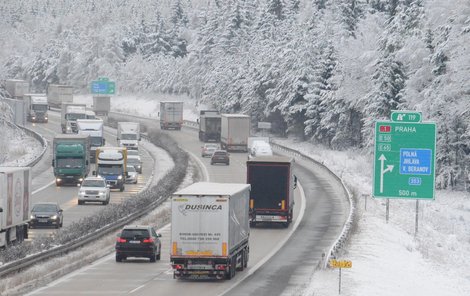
point(69, 115)
point(94, 129)
point(128, 135)
point(111, 164)
point(36, 107)
point(70, 159)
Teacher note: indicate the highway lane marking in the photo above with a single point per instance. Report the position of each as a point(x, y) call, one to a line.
point(260, 263)
point(43, 187)
point(201, 165)
point(136, 289)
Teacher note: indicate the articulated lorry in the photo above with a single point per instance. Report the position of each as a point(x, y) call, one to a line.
point(171, 115)
point(209, 125)
point(272, 189)
point(36, 107)
point(210, 230)
point(68, 118)
point(94, 129)
point(17, 88)
point(128, 135)
point(235, 130)
point(15, 204)
point(71, 158)
point(111, 164)
point(101, 105)
point(59, 94)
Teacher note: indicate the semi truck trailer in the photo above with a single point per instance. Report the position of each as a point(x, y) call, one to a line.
point(94, 129)
point(17, 88)
point(171, 115)
point(15, 204)
point(59, 94)
point(272, 189)
point(209, 126)
point(210, 230)
point(235, 130)
point(70, 159)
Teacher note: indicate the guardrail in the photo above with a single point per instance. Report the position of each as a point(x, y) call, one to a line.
point(30, 260)
point(35, 135)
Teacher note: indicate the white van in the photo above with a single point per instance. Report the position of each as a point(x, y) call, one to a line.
point(261, 148)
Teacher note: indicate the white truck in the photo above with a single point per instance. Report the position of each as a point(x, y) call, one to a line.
point(36, 107)
point(101, 105)
point(210, 230)
point(235, 130)
point(16, 88)
point(171, 114)
point(59, 94)
point(15, 204)
point(69, 114)
point(94, 129)
point(128, 135)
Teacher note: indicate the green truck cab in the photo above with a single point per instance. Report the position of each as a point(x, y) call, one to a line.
point(71, 158)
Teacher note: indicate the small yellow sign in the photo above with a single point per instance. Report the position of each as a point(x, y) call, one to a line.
point(340, 263)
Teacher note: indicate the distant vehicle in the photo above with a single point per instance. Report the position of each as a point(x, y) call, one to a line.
point(132, 174)
point(70, 159)
point(58, 94)
point(15, 204)
point(235, 130)
point(128, 135)
point(16, 87)
point(69, 114)
point(209, 125)
point(253, 140)
point(210, 230)
point(171, 115)
point(261, 148)
point(133, 152)
point(94, 189)
point(138, 241)
point(272, 189)
point(101, 105)
point(208, 149)
point(46, 214)
point(90, 114)
point(136, 162)
point(220, 156)
point(93, 128)
point(36, 107)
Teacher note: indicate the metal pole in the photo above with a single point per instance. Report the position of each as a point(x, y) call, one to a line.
point(416, 220)
point(339, 291)
point(387, 209)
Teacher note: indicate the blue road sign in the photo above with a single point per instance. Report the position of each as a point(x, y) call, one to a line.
point(415, 162)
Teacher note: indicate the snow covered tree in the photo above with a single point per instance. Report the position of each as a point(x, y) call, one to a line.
point(350, 11)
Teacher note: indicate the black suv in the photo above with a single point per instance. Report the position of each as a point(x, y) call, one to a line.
point(138, 241)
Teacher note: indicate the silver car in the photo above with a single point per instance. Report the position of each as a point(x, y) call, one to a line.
point(94, 189)
point(132, 175)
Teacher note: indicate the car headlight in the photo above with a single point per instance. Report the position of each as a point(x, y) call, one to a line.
point(119, 177)
point(58, 180)
point(54, 217)
point(81, 193)
point(102, 193)
point(32, 217)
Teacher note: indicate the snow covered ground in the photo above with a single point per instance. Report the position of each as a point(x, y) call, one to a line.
point(387, 258)
point(17, 149)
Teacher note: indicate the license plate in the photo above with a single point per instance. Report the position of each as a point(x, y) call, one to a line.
point(42, 220)
point(134, 242)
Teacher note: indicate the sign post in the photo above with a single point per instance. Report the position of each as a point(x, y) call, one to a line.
point(340, 264)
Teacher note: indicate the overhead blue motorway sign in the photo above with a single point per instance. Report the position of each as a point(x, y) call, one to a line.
point(103, 87)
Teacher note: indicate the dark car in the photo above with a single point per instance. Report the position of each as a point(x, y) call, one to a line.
point(138, 241)
point(46, 214)
point(135, 162)
point(220, 156)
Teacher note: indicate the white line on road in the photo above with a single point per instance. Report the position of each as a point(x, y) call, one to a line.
point(136, 289)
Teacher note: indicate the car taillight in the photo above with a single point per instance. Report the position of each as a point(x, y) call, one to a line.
point(220, 267)
point(177, 266)
point(121, 240)
point(148, 240)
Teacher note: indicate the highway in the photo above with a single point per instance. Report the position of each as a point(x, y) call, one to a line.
point(277, 272)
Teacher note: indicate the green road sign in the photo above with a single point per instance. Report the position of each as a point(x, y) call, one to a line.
point(406, 116)
point(103, 87)
point(404, 160)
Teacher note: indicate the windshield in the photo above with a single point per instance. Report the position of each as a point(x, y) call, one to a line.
point(93, 183)
point(40, 108)
point(74, 116)
point(134, 233)
point(132, 152)
point(44, 208)
point(96, 141)
point(109, 170)
point(128, 137)
point(69, 163)
point(212, 146)
point(130, 169)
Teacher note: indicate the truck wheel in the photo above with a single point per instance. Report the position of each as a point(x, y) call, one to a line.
point(122, 188)
point(80, 202)
point(242, 261)
point(247, 256)
point(285, 224)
